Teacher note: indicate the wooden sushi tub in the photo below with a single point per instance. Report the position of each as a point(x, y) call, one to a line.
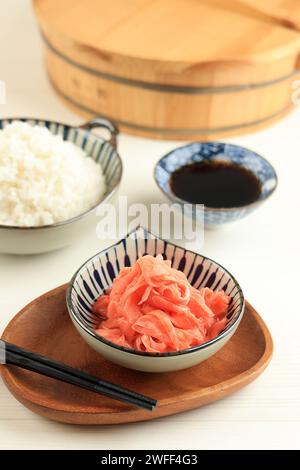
point(174, 69)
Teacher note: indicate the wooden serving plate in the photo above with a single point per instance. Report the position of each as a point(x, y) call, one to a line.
point(44, 326)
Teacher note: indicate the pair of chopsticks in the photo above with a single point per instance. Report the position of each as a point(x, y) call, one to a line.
point(14, 355)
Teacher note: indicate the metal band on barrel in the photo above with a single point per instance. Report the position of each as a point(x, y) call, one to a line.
point(166, 131)
point(161, 87)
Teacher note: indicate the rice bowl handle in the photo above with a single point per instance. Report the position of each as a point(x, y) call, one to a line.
point(103, 123)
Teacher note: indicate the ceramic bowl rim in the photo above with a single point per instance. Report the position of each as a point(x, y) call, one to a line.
point(173, 198)
point(82, 214)
point(193, 349)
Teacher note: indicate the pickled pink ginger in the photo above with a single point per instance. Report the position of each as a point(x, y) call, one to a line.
point(152, 307)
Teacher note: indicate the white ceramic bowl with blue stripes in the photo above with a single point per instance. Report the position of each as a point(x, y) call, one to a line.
point(95, 276)
point(204, 151)
point(30, 240)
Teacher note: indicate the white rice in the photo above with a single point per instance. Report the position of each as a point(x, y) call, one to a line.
point(44, 179)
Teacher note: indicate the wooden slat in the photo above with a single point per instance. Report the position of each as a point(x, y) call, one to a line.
point(125, 58)
point(284, 12)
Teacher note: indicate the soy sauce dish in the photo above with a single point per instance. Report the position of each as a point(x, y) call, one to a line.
point(229, 180)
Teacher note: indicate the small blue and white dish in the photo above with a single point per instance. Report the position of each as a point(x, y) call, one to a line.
point(217, 151)
point(39, 239)
point(96, 275)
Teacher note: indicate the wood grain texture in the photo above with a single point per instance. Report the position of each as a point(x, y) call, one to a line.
point(44, 326)
point(228, 114)
point(167, 30)
point(179, 69)
point(281, 11)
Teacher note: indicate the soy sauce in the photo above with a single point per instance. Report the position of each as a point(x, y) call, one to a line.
point(215, 183)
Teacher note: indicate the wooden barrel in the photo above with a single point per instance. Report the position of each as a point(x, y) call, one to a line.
point(174, 69)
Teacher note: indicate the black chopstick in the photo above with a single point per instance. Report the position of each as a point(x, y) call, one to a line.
point(25, 363)
point(78, 373)
point(42, 365)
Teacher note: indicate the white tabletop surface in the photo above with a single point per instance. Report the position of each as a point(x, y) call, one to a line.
point(263, 251)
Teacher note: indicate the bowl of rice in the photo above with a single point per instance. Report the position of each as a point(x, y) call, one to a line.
point(53, 177)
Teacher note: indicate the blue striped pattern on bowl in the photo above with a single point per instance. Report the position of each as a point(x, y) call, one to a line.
point(98, 273)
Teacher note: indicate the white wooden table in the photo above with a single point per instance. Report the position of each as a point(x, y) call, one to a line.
point(263, 252)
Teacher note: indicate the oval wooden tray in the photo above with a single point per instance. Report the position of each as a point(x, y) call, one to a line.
point(44, 326)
